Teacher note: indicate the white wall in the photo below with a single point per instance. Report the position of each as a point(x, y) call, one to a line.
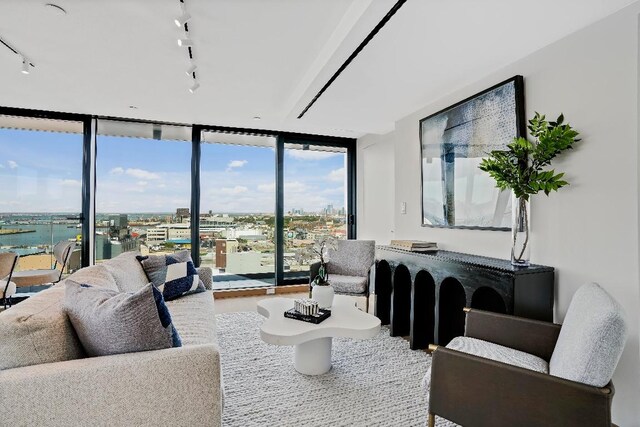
point(375, 170)
point(588, 231)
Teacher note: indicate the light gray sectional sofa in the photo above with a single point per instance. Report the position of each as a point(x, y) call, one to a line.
point(46, 380)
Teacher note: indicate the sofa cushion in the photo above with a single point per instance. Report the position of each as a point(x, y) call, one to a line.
point(96, 275)
point(194, 316)
point(37, 331)
point(127, 271)
point(592, 338)
point(499, 353)
point(111, 322)
point(348, 284)
point(174, 275)
point(352, 257)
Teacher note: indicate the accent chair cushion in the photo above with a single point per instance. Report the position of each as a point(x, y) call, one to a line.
point(499, 353)
point(110, 322)
point(7, 289)
point(352, 257)
point(127, 272)
point(37, 331)
point(592, 338)
point(174, 275)
point(348, 284)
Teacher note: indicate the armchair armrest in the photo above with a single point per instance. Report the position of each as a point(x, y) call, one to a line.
point(206, 275)
point(471, 390)
point(528, 335)
point(143, 389)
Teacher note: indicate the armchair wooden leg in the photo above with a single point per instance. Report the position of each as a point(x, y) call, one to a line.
point(431, 422)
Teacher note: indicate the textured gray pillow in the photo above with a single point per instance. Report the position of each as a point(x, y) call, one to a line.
point(110, 322)
point(592, 338)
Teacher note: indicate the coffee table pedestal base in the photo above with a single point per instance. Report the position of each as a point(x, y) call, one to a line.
point(313, 357)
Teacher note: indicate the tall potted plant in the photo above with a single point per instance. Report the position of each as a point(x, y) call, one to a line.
point(521, 169)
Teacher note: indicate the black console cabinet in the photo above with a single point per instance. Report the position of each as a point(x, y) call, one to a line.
point(422, 294)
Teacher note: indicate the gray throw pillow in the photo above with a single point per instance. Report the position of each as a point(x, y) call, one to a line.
point(110, 322)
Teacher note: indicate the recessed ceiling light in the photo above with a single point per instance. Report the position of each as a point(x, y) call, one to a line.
point(185, 42)
point(195, 87)
point(191, 69)
point(133, 107)
point(182, 19)
point(56, 9)
point(257, 118)
point(25, 66)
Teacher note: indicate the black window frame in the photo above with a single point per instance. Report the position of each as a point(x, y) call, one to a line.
point(87, 218)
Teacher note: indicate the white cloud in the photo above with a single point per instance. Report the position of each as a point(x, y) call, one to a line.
point(71, 183)
point(289, 187)
point(142, 183)
point(12, 164)
point(116, 171)
point(295, 187)
point(141, 174)
point(234, 164)
point(336, 175)
point(238, 189)
point(310, 155)
point(267, 188)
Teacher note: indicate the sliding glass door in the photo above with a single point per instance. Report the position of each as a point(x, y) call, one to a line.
point(41, 189)
point(315, 202)
point(143, 188)
point(237, 202)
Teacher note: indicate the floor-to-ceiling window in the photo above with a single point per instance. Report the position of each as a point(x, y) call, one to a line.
point(143, 188)
point(315, 201)
point(259, 199)
point(40, 188)
point(237, 208)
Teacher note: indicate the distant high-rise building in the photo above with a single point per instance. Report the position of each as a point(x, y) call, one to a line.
point(182, 213)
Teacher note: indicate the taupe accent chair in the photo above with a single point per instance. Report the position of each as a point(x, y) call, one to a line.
point(348, 266)
point(511, 371)
point(61, 251)
point(8, 261)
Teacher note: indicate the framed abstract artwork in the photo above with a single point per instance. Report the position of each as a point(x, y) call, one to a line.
point(455, 193)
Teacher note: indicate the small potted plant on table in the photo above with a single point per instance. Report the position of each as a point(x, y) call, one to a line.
point(321, 289)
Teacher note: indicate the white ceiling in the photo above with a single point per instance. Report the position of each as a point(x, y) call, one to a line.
point(269, 58)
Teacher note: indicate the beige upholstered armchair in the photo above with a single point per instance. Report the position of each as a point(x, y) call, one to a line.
point(511, 371)
point(61, 252)
point(8, 262)
point(348, 266)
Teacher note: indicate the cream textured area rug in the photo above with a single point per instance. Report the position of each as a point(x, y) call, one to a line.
point(373, 382)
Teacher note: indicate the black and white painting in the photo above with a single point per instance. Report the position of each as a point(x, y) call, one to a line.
point(455, 193)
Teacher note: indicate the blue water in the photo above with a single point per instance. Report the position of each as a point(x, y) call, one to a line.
point(45, 234)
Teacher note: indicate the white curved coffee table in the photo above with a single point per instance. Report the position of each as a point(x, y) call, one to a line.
point(313, 342)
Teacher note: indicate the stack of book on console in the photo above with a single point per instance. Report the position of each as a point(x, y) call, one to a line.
point(307, 310)
point(414, 245)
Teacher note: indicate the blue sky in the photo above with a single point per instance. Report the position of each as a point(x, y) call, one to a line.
point(41, 172)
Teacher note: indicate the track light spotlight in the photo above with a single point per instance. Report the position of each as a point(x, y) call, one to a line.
point(185, 42)
point(191, 70)
point(182, 19)
point(195, 87)
point(25, 66)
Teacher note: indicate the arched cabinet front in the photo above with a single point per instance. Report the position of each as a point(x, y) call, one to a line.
point(400, 302)
point(451, 316)
point(423, 311)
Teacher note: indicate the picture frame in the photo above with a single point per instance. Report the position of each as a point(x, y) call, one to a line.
point(453, 141)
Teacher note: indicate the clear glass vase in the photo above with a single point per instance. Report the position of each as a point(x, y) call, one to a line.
point(520, 238)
